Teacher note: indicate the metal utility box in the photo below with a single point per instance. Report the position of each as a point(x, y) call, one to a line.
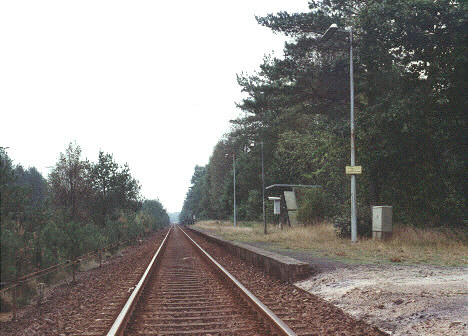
point(381, 221)
point(276, 204)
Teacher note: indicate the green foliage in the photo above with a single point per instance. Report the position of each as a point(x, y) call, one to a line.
point(51, 237)
point(44, 222)
point(72, 239)
point(13, 196)
point(414, 119)
point(314, 205)
point(153, 216)
point(113, 188)
point(23, 199)
point(11, 243)
point(69, 188)
point(193, 200)
point(251, 209)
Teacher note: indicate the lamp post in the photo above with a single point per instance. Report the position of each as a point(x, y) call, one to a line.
point(263, 186)
point(263, 194)
point(325, 37)
point(234, 178)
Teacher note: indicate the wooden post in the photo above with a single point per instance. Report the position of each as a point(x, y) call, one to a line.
point(38, 255)
point(14, 302)
point(18, 265)
point(41, 293)
point(73, 269)
point(55, 253)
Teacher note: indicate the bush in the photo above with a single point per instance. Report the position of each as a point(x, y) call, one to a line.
point(314, 205)
point(342, 227)
point(251, 209)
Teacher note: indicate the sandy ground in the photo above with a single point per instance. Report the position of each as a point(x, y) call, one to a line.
point(401, 300)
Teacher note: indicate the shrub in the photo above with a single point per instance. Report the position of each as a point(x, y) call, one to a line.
point(314, 205)
point(251, 209)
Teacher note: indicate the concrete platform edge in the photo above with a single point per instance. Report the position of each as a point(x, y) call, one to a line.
point(285, 268)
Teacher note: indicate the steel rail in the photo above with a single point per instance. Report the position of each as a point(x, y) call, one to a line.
point(255, 303)
point(122, 319)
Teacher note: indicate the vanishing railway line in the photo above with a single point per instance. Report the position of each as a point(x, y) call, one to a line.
point(183, 291)
point(186, 292)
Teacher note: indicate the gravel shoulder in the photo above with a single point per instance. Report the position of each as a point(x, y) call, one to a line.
point(399, 299)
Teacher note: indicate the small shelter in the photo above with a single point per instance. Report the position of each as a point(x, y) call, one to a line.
point(289, 194)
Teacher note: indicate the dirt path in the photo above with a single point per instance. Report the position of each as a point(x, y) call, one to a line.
point(402, 300)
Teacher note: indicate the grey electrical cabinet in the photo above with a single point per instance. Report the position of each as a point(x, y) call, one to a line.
point(381, 221)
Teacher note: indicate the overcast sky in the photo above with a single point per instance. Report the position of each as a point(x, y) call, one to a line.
point(153, 82)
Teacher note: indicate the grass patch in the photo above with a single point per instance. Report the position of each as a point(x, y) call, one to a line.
point(408, 245)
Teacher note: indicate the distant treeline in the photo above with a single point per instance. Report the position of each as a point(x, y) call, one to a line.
point(80, 207)
point(174, 217)
point(410, 75)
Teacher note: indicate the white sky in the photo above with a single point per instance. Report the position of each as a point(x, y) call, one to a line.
point(153, 82)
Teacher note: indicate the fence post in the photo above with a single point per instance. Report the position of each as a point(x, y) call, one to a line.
point(41, 293)
point(100, 257)
point(18, 267)
point(73, 268)
point(14, 301)
point(55, 253)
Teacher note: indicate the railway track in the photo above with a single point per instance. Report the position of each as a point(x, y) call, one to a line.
point(184, 291)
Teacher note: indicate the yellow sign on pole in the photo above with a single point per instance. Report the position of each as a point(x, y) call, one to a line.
point(353, 170)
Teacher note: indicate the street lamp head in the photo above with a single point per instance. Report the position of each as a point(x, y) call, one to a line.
point(329, 32)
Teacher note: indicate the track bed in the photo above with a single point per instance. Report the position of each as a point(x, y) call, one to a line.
point(185, 296)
